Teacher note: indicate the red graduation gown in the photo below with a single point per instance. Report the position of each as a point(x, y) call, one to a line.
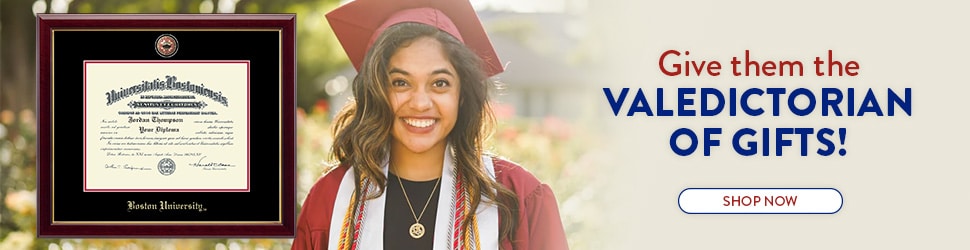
point(539, 225)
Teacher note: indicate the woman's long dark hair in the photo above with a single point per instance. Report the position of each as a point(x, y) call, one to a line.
point(362, 129)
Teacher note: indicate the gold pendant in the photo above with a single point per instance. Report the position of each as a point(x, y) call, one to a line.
point(417, 230)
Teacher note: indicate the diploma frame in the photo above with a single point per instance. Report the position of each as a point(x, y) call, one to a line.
point(264, 206)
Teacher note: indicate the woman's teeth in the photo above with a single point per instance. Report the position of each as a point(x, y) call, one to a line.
point(421, 123)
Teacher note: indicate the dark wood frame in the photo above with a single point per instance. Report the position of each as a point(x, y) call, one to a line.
point(47, 23)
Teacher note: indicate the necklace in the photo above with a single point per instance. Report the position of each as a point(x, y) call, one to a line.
point(417, 229)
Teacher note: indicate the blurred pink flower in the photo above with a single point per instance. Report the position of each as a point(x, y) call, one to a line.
point(300, 115)
point(508, 134)
point(556, 127)
point(322, 106)
point(27, 117)
point(22, 201)
point(7, 117)
point(503, 111)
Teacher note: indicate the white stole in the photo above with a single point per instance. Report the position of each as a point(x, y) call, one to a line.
point(372, 228)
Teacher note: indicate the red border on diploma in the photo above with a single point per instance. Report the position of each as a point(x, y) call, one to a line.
point(248, 117)
point(46, 24)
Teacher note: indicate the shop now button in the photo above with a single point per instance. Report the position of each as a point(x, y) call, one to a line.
point(760, 200)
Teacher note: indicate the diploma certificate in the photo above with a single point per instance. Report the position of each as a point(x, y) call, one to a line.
point(166, 126)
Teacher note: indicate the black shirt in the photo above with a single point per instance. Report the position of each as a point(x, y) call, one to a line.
point(398, 218)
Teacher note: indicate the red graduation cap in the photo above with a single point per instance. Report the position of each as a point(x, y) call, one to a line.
point(357, 25)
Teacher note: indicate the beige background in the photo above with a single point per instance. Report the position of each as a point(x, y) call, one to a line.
point(904, 179)
point(229, 78)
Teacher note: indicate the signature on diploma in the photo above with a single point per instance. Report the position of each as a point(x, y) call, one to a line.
point(200, 163)
point(125, 166)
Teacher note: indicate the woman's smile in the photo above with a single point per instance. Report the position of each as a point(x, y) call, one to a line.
point(419, 125)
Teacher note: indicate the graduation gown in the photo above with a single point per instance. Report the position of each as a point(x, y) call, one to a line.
point(539, 225)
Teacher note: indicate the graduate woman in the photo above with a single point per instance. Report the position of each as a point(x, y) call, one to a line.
point(412, 172)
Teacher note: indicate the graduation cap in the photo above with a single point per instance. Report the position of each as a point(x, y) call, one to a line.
point(358, 24)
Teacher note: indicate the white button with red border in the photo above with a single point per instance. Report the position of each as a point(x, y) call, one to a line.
point(760, 201)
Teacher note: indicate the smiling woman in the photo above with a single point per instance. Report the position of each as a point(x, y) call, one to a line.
point(412, 172)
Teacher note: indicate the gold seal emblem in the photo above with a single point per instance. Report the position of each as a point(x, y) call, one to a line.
point(166, 45)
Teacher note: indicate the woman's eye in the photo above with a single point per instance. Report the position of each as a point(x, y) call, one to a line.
point(398, 83)
point(441, 83)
